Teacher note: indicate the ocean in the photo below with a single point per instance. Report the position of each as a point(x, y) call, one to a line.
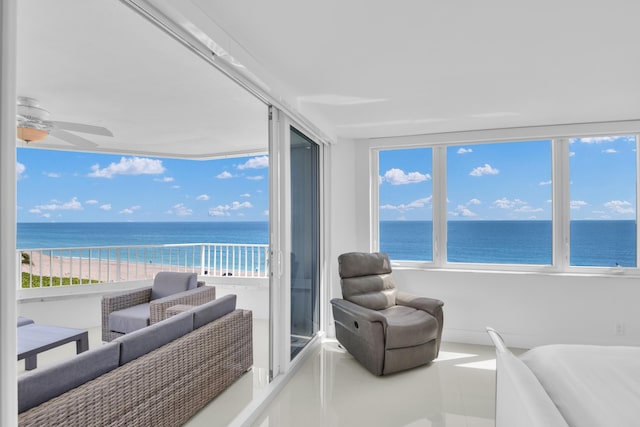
point(593, 243)
point(83, 234)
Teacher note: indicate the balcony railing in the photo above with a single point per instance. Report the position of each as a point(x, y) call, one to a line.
point(107, 264)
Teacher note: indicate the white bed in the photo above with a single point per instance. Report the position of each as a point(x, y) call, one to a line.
point(567, 385)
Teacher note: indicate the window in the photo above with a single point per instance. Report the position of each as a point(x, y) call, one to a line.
point(603, 201)
point(554, 204)
point(499, 203)
point(405, 212)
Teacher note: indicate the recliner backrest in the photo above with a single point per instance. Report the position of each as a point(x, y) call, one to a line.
point(366, 279)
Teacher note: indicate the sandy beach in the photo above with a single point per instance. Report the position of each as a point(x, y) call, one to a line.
point(104, 270)
point(93, 269)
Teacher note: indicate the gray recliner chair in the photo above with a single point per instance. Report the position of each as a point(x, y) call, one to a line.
point(386, 330)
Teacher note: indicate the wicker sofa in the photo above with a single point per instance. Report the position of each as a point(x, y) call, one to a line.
point(198, 354)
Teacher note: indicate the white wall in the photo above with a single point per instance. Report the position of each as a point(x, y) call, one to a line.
point(531, 309)
point(343, 221)
point(528, 309)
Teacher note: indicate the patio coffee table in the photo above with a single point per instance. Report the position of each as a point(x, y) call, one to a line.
point(34, 339)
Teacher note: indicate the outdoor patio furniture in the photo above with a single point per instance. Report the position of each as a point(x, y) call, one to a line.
point(34, 339)
point(132, 310)
point(24, 321)
point(160, 375)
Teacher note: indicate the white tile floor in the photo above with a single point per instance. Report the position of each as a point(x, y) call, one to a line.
point(332, 389)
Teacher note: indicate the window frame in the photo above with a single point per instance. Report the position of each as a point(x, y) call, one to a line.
point(560, 137)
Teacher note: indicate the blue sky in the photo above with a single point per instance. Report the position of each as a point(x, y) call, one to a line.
point(512, 181)
point(484, 182)
point(65, 186)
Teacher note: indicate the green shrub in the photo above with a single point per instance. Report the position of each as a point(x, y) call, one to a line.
point(46, 281)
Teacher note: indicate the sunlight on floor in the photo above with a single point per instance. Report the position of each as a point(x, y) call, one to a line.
point(332, 389)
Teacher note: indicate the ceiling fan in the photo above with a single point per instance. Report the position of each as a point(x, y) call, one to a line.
point(34, 125)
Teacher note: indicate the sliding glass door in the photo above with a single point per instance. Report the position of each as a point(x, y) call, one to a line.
point(295, 226)
point(305, 239)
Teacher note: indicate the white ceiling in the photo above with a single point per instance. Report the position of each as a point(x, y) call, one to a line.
point(372, 68)
point(357, 69)
point(99, 63)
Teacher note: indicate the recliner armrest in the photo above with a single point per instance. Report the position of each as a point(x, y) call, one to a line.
point(358, 311)
point(430, 305)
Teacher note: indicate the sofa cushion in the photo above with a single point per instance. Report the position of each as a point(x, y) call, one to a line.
point(213, 310)
point(24, 321)
point(145, 340)
point(129, 319)
point(168, 283)
point(407, 327)
point(44, 384)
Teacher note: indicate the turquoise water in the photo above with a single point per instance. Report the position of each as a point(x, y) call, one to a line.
point(65, 235)
point(593, 243)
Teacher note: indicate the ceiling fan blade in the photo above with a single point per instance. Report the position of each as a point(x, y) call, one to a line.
point(71, 138)
point(79, 127)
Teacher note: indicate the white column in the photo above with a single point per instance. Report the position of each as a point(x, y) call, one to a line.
point(8, 376)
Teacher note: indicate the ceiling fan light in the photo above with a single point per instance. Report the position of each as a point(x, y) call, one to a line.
point(31, 135)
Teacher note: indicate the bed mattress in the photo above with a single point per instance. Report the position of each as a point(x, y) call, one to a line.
point(592, 386)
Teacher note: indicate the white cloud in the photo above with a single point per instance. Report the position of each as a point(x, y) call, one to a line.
point(572, 153)
point(180, 209)
point(224, 175)
point(463, 150)
point(129, 211)
point(255, 163)
point(175, 187)
point(416, 204)
point(577, 204)
point(165, 179)
point(52, 174)
point(545, 182)
point(203, 197)
point(610, 151)
point(129, 166)
point(505, 203)
point(484, 170)
point(245, 195)
point(73, 205)
point(474, 202)
point(225, 210)
point(397, 176)
point(620, 207)
point(106, 207)
point(20, 168)
point(255, 178)
point(91, 202)
point(462, 210)
point(603, 139)
point(527, 208)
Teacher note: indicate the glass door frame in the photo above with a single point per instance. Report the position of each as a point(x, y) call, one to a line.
point(280, 126)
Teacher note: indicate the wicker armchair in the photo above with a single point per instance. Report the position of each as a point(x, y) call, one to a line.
point(150, 304)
